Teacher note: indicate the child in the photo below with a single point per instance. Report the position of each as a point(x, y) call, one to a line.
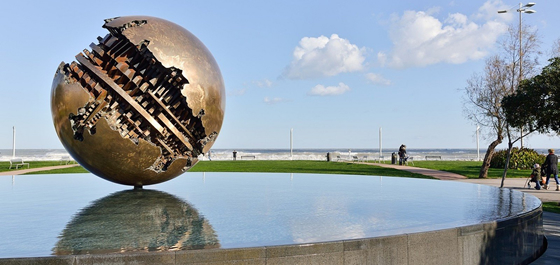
point(536, 176)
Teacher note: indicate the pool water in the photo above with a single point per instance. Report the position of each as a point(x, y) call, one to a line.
point(42, 215)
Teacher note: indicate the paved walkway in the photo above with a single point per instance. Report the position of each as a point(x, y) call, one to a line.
point(520, 184)
point(551, 221)
point(23, 171)
point(424, 171)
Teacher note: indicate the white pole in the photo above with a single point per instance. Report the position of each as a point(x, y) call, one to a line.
point(14, 144)
point(291, 143)
point(477, 145)
point(380, 143)
point(520, 64)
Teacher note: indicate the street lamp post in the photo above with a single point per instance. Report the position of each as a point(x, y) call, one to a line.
point(380, 144)
point(522, 9)
point(292, 144)
point(477, 145)
point(14, 144)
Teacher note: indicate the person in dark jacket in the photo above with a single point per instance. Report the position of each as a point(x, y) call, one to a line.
point(402, 154)
point(551, 166)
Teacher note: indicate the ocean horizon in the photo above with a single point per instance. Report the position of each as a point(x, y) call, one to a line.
point(461, 154)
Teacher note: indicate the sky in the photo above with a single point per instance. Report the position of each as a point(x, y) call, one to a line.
point(333, 71)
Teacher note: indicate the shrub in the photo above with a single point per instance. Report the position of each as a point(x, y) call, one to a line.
point(523, 158)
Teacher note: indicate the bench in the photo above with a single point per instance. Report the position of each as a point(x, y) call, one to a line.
point(17, 162)
point(66, 160)
point(409, 159)
point(433, 157)
point(253, 157)
point(381, 159)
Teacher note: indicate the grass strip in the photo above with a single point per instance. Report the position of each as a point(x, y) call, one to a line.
point(552, 207)
point(301, 166)
point(471, 169)
point(278, 166)
point(70, 170)
point(5, 166)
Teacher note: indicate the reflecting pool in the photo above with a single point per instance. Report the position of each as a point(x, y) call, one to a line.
point(44, 215)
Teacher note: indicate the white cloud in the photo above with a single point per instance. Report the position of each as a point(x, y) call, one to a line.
point(378, 79)
point(271, 101)
point(420, 39)
point(323, 56)
point(382, 58)
point(320, 90)
point(238, 92)
point(263, 83)
point(489, 11)
point(433, 10)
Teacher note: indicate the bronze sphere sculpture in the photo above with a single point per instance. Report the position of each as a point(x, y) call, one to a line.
point(140, 106)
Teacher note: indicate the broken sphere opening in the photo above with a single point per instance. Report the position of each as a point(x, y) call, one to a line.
point(137, 95)
point(131, 89)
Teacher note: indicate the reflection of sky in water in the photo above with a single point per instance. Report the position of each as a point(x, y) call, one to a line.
point(261, 209)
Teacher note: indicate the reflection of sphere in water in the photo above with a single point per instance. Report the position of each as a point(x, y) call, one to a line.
point(136, 220)
point(142, 104)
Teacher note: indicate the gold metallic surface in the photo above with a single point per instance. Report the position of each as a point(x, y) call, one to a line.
point(142, 104)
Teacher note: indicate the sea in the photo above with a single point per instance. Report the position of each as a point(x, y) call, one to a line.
point(279, 154)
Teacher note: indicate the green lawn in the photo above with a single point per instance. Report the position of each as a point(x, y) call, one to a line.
point(5, 166)
point(551, 207)
point(77, 169)
point(300, 166)
point(470, 169)
point(278, 166)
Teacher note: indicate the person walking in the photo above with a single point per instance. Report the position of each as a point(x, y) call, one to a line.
point(551, 166)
